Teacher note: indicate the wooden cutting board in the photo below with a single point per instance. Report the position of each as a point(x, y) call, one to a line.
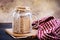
point(14, 35)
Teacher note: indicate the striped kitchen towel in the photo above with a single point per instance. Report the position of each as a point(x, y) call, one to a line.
point(48, 29)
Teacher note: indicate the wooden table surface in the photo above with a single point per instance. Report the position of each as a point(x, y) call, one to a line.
point(14, 35)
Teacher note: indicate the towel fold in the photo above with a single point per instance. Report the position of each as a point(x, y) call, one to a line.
point(48, 28)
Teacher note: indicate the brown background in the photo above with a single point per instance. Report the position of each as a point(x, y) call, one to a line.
point(39, 8)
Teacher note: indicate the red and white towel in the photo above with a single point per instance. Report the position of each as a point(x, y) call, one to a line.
point(48, 28)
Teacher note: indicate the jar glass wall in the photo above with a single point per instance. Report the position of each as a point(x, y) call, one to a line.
point(22, 20)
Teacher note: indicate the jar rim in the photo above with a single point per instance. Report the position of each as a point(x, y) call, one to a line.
point(22, 9)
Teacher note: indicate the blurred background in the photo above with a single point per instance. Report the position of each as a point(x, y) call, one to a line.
point(39, 8)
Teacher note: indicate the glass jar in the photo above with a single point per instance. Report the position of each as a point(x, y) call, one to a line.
point(22, 20)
